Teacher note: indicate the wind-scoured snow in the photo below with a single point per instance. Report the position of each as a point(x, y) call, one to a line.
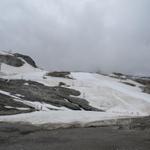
point(117, 99)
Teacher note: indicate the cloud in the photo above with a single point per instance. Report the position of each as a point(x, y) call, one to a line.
point(79, 35)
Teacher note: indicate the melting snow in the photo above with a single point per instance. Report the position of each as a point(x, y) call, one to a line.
point(117, 99)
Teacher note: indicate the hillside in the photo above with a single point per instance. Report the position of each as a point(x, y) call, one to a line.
point(32, 95)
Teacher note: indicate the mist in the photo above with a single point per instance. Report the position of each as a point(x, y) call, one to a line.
point(79, 35)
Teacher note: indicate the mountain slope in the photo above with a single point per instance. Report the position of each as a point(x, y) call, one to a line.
point(65, 97)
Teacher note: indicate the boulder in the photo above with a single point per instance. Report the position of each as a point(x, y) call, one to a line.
point(59, 74)
point(11, 60)
point(28, 59)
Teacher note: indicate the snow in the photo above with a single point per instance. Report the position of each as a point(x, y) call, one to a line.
point(108, 93)
point(19, 108)
point(58, 117)
point(5, 53)
point(5, 93)
point(11, 70)
point(117, 99)
point(36, 105)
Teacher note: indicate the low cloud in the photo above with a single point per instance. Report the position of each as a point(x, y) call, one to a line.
point(79, 35)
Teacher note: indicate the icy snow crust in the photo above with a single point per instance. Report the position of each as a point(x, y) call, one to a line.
point(117, 99)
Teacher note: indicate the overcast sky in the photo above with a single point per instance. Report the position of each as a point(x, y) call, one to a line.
point(79, 35)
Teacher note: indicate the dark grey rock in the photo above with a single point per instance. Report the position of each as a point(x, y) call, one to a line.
point(57, 96)
point(67, 91)
point(84, 104)
point(11, 60)
point(59, 74)
point(145, 82)
point(62, 84)
point(6, 101)
point(127, 83)
point(146, 89)
point(28, 59)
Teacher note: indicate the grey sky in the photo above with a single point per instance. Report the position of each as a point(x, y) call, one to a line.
point(81, 35)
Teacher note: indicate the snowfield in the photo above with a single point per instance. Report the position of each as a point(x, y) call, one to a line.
point(63, 117)
point(117, 99)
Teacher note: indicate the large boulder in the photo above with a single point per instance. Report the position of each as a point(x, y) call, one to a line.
point(16, 60)
point(60, 74)
point(11, 60)
point(28, 59)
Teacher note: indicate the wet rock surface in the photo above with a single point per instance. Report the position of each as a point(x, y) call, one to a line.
point(57, 96)
point(18, 136)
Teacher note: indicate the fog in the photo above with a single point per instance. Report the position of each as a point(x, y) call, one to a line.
point(79, 35)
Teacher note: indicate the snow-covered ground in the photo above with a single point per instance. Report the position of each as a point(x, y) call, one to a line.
point(117, 99)
point(62, 117)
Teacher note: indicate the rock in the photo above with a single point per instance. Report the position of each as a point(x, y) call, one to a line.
point(62, 84)
point(14, 60)
point(143, 81)
point(59, 74)
point(67, 91)
point(11, 60)
point(130, 84)
point(146, 89)
point(146, 84)
point(57, 96)
point(84, 104)
point(118, 74)
point(8, 106)
point(28, 59)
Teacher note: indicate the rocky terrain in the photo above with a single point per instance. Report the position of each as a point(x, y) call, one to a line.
point(59, 74)
point(24, 88)
point(14, 60)
point(34, 91)
point(28, 59)
point(57, 95)
point(101, 111)
point(144, 81)
point(10, 107)
point(11, 60)
point(120, 137)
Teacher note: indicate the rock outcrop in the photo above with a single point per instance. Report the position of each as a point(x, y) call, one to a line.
point(11, 60)
point(57, 96)
point(60, 74)
point(16, 60)
point(28, 59)
point(8, 106)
